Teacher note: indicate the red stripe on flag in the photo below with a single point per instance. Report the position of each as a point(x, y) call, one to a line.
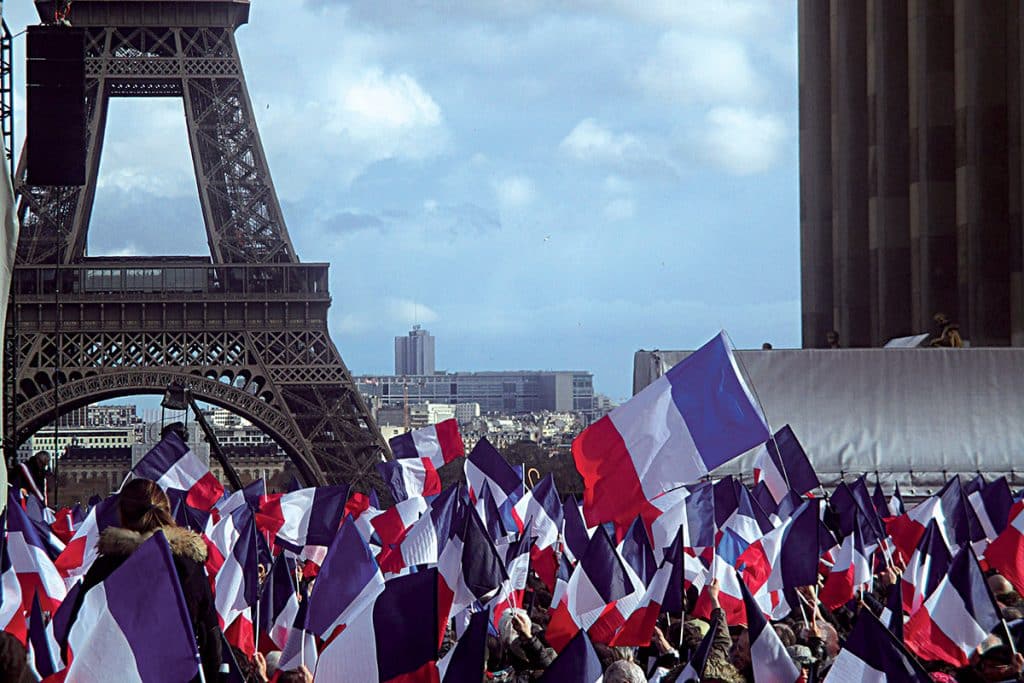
point(613, 492)
point(427, 673)
point(205, 493)
point(450, 440)
point(929, 642)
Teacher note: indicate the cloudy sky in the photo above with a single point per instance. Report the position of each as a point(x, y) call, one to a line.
point(543, 184)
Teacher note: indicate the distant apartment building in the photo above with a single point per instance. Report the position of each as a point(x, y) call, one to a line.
point(414, 353)
point(47, 439)
point(507, 393)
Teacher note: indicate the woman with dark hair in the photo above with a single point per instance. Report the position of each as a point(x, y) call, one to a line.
point(144, 509)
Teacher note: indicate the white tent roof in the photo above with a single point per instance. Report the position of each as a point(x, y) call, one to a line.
point(915, 416)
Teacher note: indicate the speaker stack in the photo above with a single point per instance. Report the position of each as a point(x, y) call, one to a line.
point(55, 103)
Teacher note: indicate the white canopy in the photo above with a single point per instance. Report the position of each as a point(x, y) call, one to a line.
point(915, 416)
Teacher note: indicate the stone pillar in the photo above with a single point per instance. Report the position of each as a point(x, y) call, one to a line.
point(932, 162)
point(888, 176)
point(982, 122)
point(816, 263)
point(852, 293)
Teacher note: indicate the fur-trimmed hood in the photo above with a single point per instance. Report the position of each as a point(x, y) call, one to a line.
point(183, 542)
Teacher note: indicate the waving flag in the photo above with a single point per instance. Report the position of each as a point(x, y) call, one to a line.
point(392, 641)
point(694, 669)
point(699, 415)
point(300, 647)
point(850, 571)
point(43, 650)
point(783, 466)
point(871, 653)
point(465, 661)
point(542, 508)
point(36, 572)
point(517, 566)
point(574, 529)
point(115, 632)
point(1006, 553)
point(236, 582)
point(638, 627)
point(597, 583)
point(278, 605)
point(81, 550)
point(635, 549)
point(308, 516)
point(439, 443)
point(12, 615)
point(172, 465)
point(486, 464)
point(348, 583)
point(925, 568)
point(409, 478)
point(730, 596)
point(578, 662)
point(957, 617)
point(892, 614)
point(768, 655)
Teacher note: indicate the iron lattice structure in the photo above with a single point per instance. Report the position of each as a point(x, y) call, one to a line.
point(246, 328)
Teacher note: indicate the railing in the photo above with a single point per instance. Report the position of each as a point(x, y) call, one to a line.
point(289, 280)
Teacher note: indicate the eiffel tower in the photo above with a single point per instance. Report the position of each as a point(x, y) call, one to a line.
point(246, 328)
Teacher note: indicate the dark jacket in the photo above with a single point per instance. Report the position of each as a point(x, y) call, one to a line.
point(189, 552)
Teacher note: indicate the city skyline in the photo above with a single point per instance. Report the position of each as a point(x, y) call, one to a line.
point(543, 185)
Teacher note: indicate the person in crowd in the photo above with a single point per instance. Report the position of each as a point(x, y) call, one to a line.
point(623, 671)
point(300, 675)
point(13, 660)
point(518, 648)
point(144, 509)
point(31, 475)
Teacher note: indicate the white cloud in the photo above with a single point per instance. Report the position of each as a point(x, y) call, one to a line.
point(742, 141)
point(619, 209)
point(514, 192)
point(592, 142)
point(698, 69)
point(408, 312)
point(617, 185)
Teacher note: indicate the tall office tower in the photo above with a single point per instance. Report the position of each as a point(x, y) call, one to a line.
point(414, 353)
point(910, 169)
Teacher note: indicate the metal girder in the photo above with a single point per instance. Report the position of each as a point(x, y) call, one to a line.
point(247, 332)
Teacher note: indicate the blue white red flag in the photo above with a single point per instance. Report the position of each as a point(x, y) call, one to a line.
point(36, 571)
point(309, 516)
point(82, 550)
point(699, 415)
point(392, 641)
point(278, 605)
point(577, 662)
point(410, 477)
point(466, 660)
point(236, 582)
point(485, 464)
point(768, 655)
point(12, 615)
point(782, 464)
point(172, 465)
point(43, 650)
point(115, 635)
point(438, 443)
point(872, 653)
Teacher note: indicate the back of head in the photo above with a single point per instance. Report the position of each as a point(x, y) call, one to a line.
point(13, 658)
point(624, 672)
point(144, 506)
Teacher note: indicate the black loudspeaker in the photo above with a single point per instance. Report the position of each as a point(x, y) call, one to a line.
point(55, 106)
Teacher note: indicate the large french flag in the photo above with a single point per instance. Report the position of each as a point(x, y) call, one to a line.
point(115, 635)
point(173, 466)
point(309, 516)
point(32, 563)
point(697, 416)
point(349, 581)
point(439, 443)
point(395, 640)
point(956, 618)
point(872, 653)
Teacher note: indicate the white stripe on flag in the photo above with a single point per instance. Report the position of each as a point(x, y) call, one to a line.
point(352, 656)
point(946, 608)
point(98, 646)
point(848, 668)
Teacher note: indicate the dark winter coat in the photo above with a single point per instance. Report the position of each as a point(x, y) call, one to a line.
point(189, 552)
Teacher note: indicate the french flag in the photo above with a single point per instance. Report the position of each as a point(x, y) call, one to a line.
point(300, 647)
point(782, 464)
point(439, 443)
point(575, 532)
point(486, 465)
point(12, 615)
point(730, 596)
point(349, 581)
point(81, 551)
point(638, 627)
point(466, 660)
point(1005, 554)
point(956, 618)
point(173, 466)
point(872, 653)
point(517, 566)
point(577, 662)
point(36, 571)
point(309, 516)
point(236, 582)
point(597, 583)
point(851, 570)
point(115, 634)
point(410, 478)
point(699, 415)
point(768, 655)
point(278, 605)
point(393, 641)
point(925, 568)
point(43, 650)
point(542, 508)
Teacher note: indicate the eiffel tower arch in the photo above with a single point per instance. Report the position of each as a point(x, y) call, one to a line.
point(246, 327)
